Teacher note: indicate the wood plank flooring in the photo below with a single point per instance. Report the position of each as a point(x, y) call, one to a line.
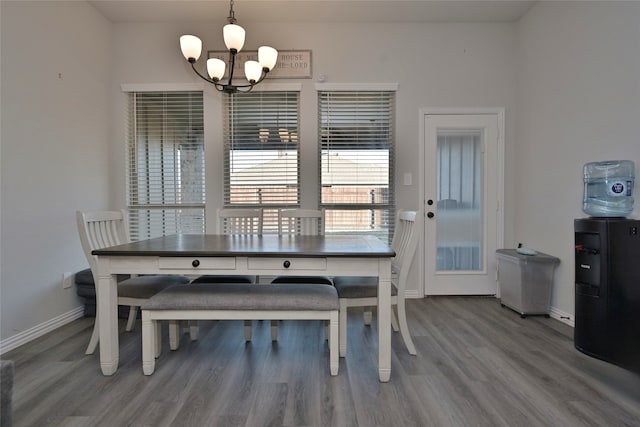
point(477, 365)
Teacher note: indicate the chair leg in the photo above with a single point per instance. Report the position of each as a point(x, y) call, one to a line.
point(193, 330)
point(334, 360)
point(274, 330)
point(133, 315)
point(95, 337)
point(404, 327)
point(247, 330)
point(394, 321)
point(157, 332)
point(342, 323)
point(174, 334)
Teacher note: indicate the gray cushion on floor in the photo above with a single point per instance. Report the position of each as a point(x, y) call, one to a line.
point(231, 296)
point(358, 287)
point(147, 286)
point(212, 278)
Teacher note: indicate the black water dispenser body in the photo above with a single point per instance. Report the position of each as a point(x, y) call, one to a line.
point(607, 290)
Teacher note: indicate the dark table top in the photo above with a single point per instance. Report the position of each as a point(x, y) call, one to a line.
point(268, 245)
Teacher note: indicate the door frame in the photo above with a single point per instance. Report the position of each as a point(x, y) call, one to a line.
point(499, 112)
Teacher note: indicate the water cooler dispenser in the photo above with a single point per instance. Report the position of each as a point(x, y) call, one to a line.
point(607, 289)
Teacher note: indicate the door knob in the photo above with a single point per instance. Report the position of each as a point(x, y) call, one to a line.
point(430, 214)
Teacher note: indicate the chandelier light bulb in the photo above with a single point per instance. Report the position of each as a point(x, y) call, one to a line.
point(267, 56)
point(191, 47)
point(215, 68)
point(252, 71)
point(233, 36)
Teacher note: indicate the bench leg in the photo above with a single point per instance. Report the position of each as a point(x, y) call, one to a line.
point(148, 344)
point(343, 327)
point(247, 330)
point(334, 360)
point(174, 334)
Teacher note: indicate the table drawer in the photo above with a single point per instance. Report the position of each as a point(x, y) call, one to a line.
point(195, 263)
point(289, 264)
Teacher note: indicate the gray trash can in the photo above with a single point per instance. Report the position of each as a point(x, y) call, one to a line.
point(526, 281)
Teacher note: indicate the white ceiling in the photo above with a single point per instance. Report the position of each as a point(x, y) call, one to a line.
point(314, 10)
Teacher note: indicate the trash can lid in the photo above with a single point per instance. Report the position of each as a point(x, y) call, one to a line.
point(538, 257)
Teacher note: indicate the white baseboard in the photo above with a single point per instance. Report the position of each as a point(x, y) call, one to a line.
point(562, 317)
point(553, 312)
point(41, 329)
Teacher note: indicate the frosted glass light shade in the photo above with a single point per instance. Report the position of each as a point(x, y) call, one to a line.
point(233, 36)
point(191, 46)
point(267, 56)
point(252, 71)
point(215, 68)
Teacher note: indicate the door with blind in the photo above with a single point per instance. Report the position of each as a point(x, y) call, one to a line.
point(463, 194)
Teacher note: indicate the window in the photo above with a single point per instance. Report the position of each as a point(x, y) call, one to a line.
point(165, 164)
point(356, 131)
point(261, 152)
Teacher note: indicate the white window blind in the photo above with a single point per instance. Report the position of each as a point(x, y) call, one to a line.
point(356, 132)
point(261, 152)
point(165, 164)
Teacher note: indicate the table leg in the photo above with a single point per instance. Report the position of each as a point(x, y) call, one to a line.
point(107, 300)
point(384, 319)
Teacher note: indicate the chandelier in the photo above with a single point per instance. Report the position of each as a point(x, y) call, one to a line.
point(254, 71)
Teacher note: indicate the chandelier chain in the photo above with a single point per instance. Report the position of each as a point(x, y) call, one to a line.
point(231, 19)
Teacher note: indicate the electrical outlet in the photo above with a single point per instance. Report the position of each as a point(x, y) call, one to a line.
point(67, 281)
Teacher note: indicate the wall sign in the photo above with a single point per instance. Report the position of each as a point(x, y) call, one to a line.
point(292, 64)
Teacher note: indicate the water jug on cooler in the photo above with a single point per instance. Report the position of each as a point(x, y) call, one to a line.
point(608, 188)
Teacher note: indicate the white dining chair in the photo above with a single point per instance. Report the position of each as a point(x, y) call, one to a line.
point(363, 291)
point(301, 222)
point(236, 221)
point(102, 229)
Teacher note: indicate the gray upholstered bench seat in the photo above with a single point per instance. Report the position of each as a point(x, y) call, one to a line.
point(237, 301)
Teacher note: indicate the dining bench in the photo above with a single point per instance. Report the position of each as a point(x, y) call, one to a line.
point(237, 301)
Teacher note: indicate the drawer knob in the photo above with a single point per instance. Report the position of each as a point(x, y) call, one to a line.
point(286, 264)
point(195, 262)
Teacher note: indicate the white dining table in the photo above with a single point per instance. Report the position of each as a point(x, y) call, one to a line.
point(266, 255)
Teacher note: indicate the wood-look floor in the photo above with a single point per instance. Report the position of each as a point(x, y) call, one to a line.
point(477, 365)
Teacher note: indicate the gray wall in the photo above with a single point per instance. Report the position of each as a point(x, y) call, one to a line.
point(56, 72)
point(566, 74)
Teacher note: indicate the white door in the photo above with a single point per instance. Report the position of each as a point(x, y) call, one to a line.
point(463, 202)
